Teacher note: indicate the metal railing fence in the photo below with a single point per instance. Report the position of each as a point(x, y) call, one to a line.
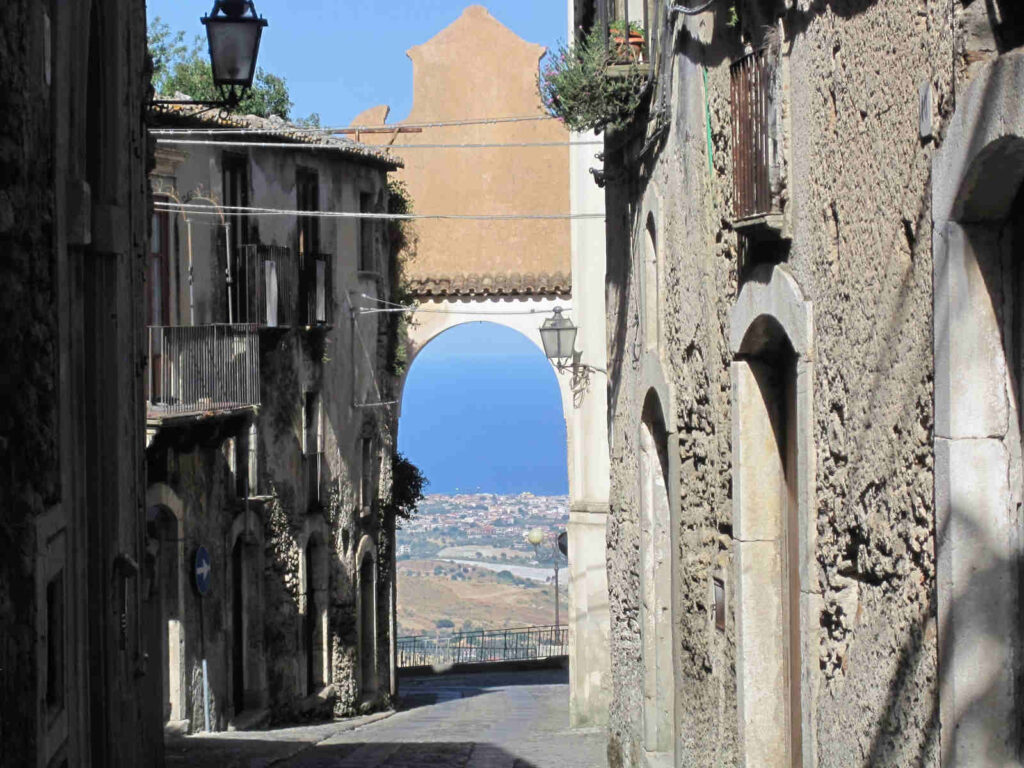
point(753, 133)
point(193, 369)
point(520, 644)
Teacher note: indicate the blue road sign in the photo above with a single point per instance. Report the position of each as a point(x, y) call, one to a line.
point(203, 571)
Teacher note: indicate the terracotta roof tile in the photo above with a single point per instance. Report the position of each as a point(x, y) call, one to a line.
point(509, 284)
point(188, 115)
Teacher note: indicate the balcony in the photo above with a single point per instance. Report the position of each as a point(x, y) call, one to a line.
point(202, 370)
point(756, 162)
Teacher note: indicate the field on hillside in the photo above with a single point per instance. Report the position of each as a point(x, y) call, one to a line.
point(430, 591)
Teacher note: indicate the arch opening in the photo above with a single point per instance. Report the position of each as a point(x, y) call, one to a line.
point(656, 578)
point(979, 367)
point(314, 620)
point(772, 520)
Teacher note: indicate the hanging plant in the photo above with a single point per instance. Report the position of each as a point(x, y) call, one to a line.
point(577, 85)
point(628, 47)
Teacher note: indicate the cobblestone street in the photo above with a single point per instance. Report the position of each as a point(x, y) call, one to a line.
point(485, 720)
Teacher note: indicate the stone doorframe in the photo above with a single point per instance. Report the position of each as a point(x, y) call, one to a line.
point(315, 530)
point(248, 528)
point(977, 443)
point(367, 549)
point(771, 296)
point(162, 495)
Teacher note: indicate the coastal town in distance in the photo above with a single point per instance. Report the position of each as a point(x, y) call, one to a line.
point(465, 564)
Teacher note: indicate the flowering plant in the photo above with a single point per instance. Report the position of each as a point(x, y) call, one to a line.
point(576, 86)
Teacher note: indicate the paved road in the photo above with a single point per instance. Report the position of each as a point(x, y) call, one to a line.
point(488, 720)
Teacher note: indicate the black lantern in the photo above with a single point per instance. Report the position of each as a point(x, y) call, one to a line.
point(234, 32)
point(558, 335)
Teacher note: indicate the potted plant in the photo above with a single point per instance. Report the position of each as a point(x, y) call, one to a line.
point(629, 47)
point(586, 85)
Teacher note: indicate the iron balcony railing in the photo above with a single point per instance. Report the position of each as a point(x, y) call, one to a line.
point(195, 369)
point(754, 134)
point(632, 42)
point(519, 644)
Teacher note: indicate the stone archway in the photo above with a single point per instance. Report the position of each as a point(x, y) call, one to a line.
point(978, 239)
point(776, 600)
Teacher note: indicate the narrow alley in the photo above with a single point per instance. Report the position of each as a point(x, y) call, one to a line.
point(482, 720)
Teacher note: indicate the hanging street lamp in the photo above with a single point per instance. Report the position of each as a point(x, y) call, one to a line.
point(233, 31)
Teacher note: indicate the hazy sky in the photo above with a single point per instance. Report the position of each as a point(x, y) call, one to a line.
point(481, 410)
point(341, 57)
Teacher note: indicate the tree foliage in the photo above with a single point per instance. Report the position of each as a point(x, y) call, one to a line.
point(407, 484)
point(180, 67)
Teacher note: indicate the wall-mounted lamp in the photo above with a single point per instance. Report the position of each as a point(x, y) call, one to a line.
point(233, 30)
point(558, 335)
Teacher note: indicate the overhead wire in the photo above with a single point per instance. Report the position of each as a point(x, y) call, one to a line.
point(242, 210)
point(415, 309)
point(382, 147)
point(369, 361)
point(353, 128)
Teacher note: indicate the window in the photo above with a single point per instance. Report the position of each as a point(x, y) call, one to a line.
point(366, 475)
point(312, 445)
point(236, 193)
point(367, 231)
point(55, 648)
point(313, 266)
point(755, 136)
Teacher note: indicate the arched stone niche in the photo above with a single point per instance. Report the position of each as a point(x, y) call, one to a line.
point(314, 577)
point(776, 605)
point(978, 242)
point(165, 529)
point(656, 616)
point(243, 608)
point(366, 614)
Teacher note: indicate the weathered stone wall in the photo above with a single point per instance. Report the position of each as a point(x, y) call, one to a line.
point(73, 684)
point(28, 376)
point(859, 218)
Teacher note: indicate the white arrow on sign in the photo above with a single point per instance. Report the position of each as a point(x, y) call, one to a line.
point(203, 569)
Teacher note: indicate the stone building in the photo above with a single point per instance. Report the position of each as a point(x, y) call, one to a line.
point(814, 366)
point(76, 687)
point(269, 439)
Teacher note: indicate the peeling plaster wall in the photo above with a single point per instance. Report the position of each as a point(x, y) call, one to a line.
point(859, 216)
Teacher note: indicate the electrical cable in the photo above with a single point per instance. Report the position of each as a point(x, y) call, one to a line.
point(331, 129)
point(241, 210)
point(380, 147)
